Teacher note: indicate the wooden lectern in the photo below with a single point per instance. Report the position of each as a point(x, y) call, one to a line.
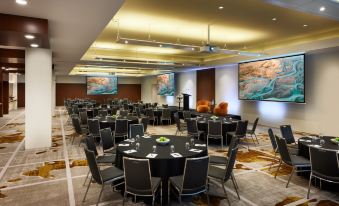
point(186, 101)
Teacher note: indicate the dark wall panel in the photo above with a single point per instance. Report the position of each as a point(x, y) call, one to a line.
point(5, 102)
point(21, 94)
point(206, 84)
point(64, 91)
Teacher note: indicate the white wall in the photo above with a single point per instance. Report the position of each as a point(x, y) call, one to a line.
point(185, 82)
point(319, 114)
point(69, 79)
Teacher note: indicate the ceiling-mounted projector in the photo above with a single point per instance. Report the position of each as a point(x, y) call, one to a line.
point(209, 49)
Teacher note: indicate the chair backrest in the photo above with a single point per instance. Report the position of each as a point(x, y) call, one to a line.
point(150, 113)
point(186, 114)
point(114, 110)
point(241, 129)
point(283, 150)
point(144, 122)
point(177, 121)
point(106, 138)
point(76, 124)
point(83, 117)
point(93, 127)
point(137, 176)
point(137, 111)
point(136, 129)
point(272, 138)
point(166, 114)
point(287, 133)
point(93, 166)
point(95, 111)
point(125, 107)
point(324, 163)
point(192, 126)
point(195, 175)
point(230, 163)
point(233, 144)
point(75, 109)
point(90, 144)
point(121, 126)
point(214, 128)
point(255, 123)
point(123, 113)
point(103, 112)
point(164, 105)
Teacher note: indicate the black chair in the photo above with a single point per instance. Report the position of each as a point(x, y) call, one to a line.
point(123, 113)
point(144, 121)
point(193, 181)
point(107, 176)
point(252, 131)
point(240, 131)
point(186, 115)
point(164, 105)
point(151, 116)
point(324, 166)
point(181, 127)
point(136, 129)
point(126, 107)
point(224, 174)
point(294, 161)
point(94, 128)
point(287, 133)
point(108, 141)
point(77, 127)
point(114, 110)
point(75, 109)
point(192, 128)
point(166, 115)
point(83, 119)
point(95, 111)
point(103, 112)
point(274, 146)
point(121, 128)
point(215, 131)
point(138, 179)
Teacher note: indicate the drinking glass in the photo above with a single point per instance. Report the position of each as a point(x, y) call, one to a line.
point(137, 146)
point(154, 148)
point(322, 142)
point(187, 145)
point(172, 149)
point(192, 141)
point(137, 138)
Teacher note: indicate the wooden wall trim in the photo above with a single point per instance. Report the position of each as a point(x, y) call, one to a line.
point(21, 94)
point(71, 90)
point(206, 84)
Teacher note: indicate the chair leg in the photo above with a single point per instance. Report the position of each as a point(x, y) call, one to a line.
point(168, 193)
point(223, 187)
point(83, 200)
point(309, 186)
point(235, 181)
point(153, 200)
point(253, 139)
point(222, 142)
point(235, 187)
point(86, 177)
point(102, 188)
point(208, 199)
point(125, 196)
point(256, 138)
point(289, 179)
point(179, 197)
point(276, 173)
point(160, 193)
point(275, 156)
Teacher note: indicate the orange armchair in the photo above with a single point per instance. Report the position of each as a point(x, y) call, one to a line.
point(221, 109)
point(203, 106)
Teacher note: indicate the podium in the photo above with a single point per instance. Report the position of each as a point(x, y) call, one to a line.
point(186, 101)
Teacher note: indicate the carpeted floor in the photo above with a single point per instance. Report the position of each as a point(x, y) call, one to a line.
point(55, 176)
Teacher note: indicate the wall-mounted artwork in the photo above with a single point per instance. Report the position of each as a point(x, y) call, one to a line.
point(102, 85)
point(166, 84)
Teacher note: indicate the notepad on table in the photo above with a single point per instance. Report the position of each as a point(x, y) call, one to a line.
point(151, 155)
point(315, 145)
point(146, 136)
point(130, 151)
point(176, 155)
point(195, 150)
point(123, 145)
point(130, 140)
point(305, 140)
point(200, 145)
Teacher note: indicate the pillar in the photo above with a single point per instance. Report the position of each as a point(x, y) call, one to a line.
point(38, 93)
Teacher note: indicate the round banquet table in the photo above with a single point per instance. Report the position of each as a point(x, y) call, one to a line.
point(110, 122)
point(227, 126)
point(163, 165)
point(305, 142)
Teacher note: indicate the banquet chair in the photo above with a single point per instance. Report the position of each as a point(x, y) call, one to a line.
point(125, 107)
point(94, 128)
point(287, 133)
point(252, 131)
point(144, 121)
point(102, 112)
point(224, 174)
point(83, 119)
point(100, 159)
point(151, 116)
point(324, 170)
point(240, 131)
point(75, 109)
point(186, 115)
point(104, 106)
point(294, 161)
point(123, 113)
point(121, 128)
point(136, 129)
point(108, 141)
point(114, 110)
point(193, 181)
point(192, 128)
point(164, 105)
point(95, 111)
point(166, 115)
point(107, 176)
point(215, 131)
point(274, 146)
point(138, 179)
point(181, 127)
point(77, 127)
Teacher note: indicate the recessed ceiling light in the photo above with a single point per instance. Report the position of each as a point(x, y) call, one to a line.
point(34, 45)
point(160, 45)
point(192, 48)
point(274, 19)
point(221, 7)
point(126, 42)
point(21, 2)
point(29, 36)
point(305, 25)
point(322, 8)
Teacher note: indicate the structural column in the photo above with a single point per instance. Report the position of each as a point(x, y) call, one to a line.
point(38, 93)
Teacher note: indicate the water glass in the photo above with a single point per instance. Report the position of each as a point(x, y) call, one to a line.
point(187, 145)
point(172, 149)
point(137, 146)
point(154, 148)
point(192, 141)
point(322, 142)
point(137, 138)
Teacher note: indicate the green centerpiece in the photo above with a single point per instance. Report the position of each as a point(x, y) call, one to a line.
point(162, 140)
point(335, 140)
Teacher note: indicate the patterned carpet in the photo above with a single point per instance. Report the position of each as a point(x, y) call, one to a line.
point(41, 177)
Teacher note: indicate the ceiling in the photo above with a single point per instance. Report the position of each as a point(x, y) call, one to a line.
point(241, 25)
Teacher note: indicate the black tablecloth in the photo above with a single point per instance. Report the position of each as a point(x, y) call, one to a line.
point(303, 144)
point(164, 165)
point(105, 123)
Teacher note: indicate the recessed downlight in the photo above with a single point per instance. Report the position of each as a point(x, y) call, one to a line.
point(322, 8)
point(29, 36)
point(220, 7)
point(126, 42)
point(274, 19)
point(305, 25)
point(34, 45)
point(21, 2)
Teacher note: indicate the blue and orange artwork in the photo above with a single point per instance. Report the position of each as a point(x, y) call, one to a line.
point(102, 85)
point(166, 84)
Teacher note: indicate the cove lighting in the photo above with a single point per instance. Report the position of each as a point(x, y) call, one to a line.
point(322, 8)
point(34, 45)
point(29, 36)
point(21, 2)
point(274, 19)
point(273, 111)
point(221, 7)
